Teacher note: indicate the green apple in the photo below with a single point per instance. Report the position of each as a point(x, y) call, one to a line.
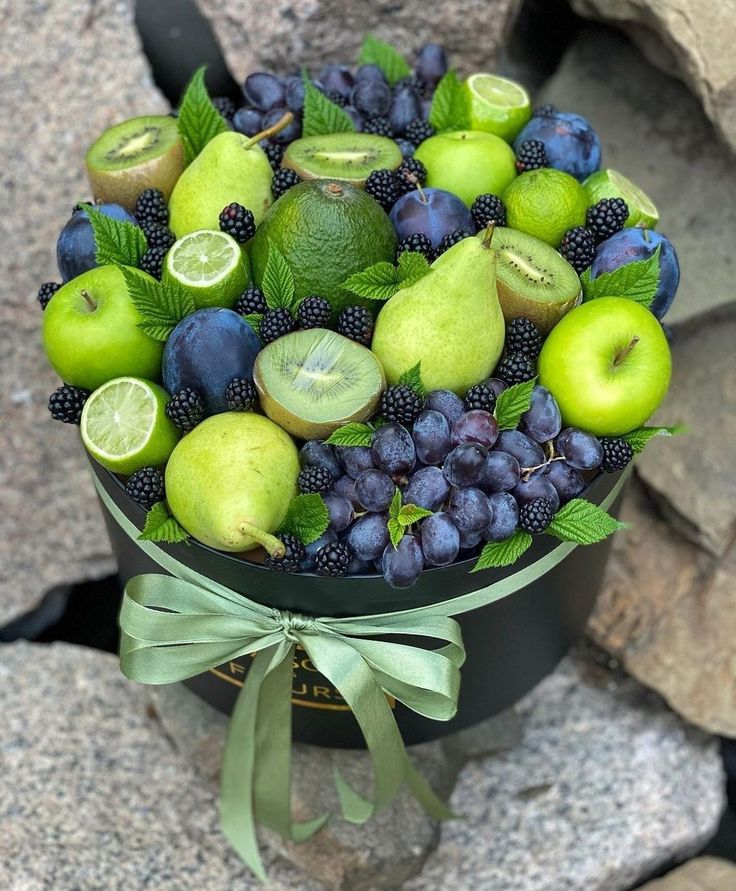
point(468, 163)
point(608, 365)
point(91, 333)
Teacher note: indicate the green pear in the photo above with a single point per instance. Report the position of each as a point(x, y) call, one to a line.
point(231, 167)
point(450, 320)
point(229, 482)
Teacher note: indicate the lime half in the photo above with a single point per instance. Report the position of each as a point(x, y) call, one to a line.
point(497, 105)
point(612, 184)
point(124, 425)
point(210, 265)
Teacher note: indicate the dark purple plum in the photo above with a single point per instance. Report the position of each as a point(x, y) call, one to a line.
point(568, 481)
point(294, 93)
point(446, 403)
point(570, 142)
point(427, 488)
point(346, 486)
point(469, 541)
point(440, 539)
point(431, 434)
point(581, 449)
point(469, 509)
point(542, 421)
point(405, 106)
point(401, 566)
point(475, 426)
point(431, 63)
point(75, 248)
point(500, 472)
point(504, 516)
point(537, 486)
point(248, 121)
point(263, 90)
point(292, 131)
point(340, 511)
point(465, 464)
point(433, 212)
point(337, 78)
point(354, 459)
point(316, 453)
point(374, 489)
point(368, 536)
point(525, 450)
point(371, 97)
point(393, 449)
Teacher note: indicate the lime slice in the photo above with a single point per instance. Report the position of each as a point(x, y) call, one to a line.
point(210, 265)
point(612, 184)
point(497, 105)
point(124, 425)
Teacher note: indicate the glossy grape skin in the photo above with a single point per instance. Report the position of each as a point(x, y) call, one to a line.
point(475, 426)
point(368, 536)
point(504, 516)
point(292, 131)
point(525, 450)
point(393, 449)
point(537, 486)
point(371, 97)
point(469, 541)
point(336, 78)
point(440, 539)
point(427, 488)
point(543, 420)
point(582, 450)
point(263, 90)
point(465, 464)
point(329, 536)
point(431, 63)
point(340, 510)
point(446, 403)
point(374, 489)
point(497, 385)
point(346, 486)
point(568, 481)
point(405, 106)
point(431, 435)
point(318, 454)
point(469, 509)
point(360, 567)
point(248, 121)
point(369, 72)
point(354, 459)
point(500, 473)
point(401, 566)
point(294, 93)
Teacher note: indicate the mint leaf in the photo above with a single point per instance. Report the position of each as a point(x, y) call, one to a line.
point(637, 281)
point(638, 438)
point(321, 115)
point(160, 525)
point(584, 522)
point(412, 378)
point(412, 513)
point(198, 121)
point(116, 241)
point(395, 507)
point(278, 280)
point(411, 267)
point(352, 434)
point(161, 305)
point(512, 404)
point(382, 280)
point(254, 319)
point(389, 60)
point(450, 108)
point(503, 553)
point(306, 517)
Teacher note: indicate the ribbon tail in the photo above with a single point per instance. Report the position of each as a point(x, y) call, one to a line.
point(426, 796)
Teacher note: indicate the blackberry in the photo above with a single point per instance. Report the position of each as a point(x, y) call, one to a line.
point(274, 152)
point(411, 173)
point(523, 337)
point(66, 403)
point(379, 126)
point(401, 405)
point(157, 235)
point(607, 217)
point(536, 515)
point(46, 292)
point(284, 179)
point(515, 369)
point(276, 323)
point(418, 130)
point(356, 322)
point(544, 111)
point(336, 97)
point(152, 261)
point(240, 394)
point(480, 396)
point(451, 239)
point(616, 453)
point(385, 187)
point(238, 221)
point(225, 106)
point(151, 207)
point(488, 209)
point(314, 312)
point(252, 300)
point(531, 156)
point(578, 248)
point(418, 243)
point(186, 409)
point(314, 479)
point(333, 559)
point(146, 487)
point(292, 557)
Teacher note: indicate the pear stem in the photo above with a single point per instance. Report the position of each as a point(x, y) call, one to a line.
point(626, 350)
point(282, 122)
point(90, 302)
point(488, 235)
point(274, 547)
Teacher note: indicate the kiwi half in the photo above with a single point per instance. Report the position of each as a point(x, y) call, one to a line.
point(533, 280)
point(349, 156)
point(312, 382)
point(141, 153)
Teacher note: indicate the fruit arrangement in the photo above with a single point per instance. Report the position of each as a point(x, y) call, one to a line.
point(377, 321)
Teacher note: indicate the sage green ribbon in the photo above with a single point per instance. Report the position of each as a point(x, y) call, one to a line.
point(180, 625)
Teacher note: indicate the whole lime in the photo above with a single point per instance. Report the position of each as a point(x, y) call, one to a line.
point(326, 230)
point(545, 203)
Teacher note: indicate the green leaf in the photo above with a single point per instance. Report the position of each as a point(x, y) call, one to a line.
point(450, 109)
point(116, 241)
point(412, 513)
point(584, 522)
point(278, 280)
point(389, 60)
point(160, 525)
point(162, 305)
point(351, 435)
point(503, 553)
point(394, 509)
point(395, 531)
point(306, 517)
point(254, 319)
point(321, 115)
point(412, 266)
point(638, 438)
point(412, 378)
point(637, 281)
point(512, 404)
point(378, 282)
point(198, 121)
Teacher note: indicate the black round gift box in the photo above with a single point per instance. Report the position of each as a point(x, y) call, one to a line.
point(511, 644)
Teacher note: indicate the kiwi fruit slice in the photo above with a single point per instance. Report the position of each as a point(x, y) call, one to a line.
point(533, 280)
point(312, 382)
point(349, 156)
point(141, 153)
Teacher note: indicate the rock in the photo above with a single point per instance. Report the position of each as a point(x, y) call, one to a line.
point(701, 874)
point(694, 43)
point(314, 32)
point(654, 131)
point(607, 786)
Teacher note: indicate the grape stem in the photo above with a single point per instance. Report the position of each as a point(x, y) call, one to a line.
point(271, 544)
point(282, 122)
point(526, 472)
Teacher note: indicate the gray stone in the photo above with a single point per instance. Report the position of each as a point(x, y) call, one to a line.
point(654, 131)
point(700, 874)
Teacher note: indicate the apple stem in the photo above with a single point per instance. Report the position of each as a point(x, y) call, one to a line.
point(274, 547)
point(626, 350)
point(282, 122)
point(90, 302)
point(489, 235)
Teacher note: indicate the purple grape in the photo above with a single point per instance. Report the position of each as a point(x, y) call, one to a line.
point(504, 516)
point(433, 212)
point(346, 486)
point(497, 385)
point(582, 450)
point(318, 454)
point(542, 421)
point(393, 449)
point(374, 490)
point(336, 78)
point(354, 459)
point(500, 473)
point(426, 108)
point(407, 148)
point(370, 72)
point(355, 116)
point(292, 131)
point(340, 510)
point(263, 90)
point(525, 450)
point(470, 540)
point(360, 567)
point(405, 106)
point(371, 97)
point(329, 536)
point(427, 488)
point(475, 426)
point(469, 509)
point(401, 566)
point(568, 481)
point(446, 403)
point(431, 63)
point(465, 464)
point(294, 93)
point(537, 486)
point(440, 539)
point(368, 536)
point(248, 121)
point(431, 435)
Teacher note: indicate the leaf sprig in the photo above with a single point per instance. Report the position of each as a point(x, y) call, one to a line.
point(388, 59)
point(116, 241)
point(512, 403)
point(321, 115)
point(402, 516)
point(382, 280)
point(162, 526)
point(161, 305)
point(636, 281)
point(306, 517)
point(198, 120)
point(278, 281)
point(412, 378)
point(450, 109)
point(639, 438)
